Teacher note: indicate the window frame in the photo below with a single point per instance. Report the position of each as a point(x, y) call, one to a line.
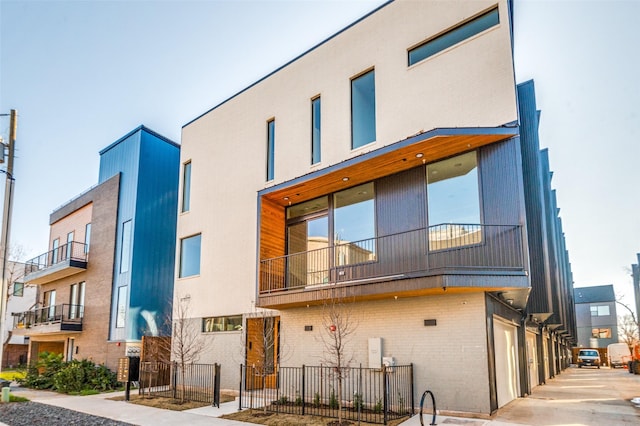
point(121, 314)
point(125, 260)
point(209, 323)
point(20, 292)
point(597, 308)
point(271, 148)
point(87, 237)
point(316, 130)
point(453, 36)
point(181, 266)
point(186, 187)
point(358, 105)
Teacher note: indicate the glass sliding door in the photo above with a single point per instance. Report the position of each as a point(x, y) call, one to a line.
point(354, 225)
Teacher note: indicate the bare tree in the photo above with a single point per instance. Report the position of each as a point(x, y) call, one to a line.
point(628, 330)
point(633, 321)
point(262, 349)
point(14, 272)
point(339, 325)
point(186, 345)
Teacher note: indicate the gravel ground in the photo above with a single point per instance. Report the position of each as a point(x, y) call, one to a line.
point(34, 413)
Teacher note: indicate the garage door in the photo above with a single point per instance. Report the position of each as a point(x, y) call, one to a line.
point(532, 358)
point(505, 343)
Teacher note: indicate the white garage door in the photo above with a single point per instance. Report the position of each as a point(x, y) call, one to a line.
point(532, 358)
point(505, 343)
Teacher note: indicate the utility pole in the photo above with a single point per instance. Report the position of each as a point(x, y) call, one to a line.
point(6, 221)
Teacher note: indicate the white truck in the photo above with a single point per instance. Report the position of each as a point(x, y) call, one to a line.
point(618, 354)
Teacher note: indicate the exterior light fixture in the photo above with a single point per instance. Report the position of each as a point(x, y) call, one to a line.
point(285, 198)
point(419, 155)
point(344, 179)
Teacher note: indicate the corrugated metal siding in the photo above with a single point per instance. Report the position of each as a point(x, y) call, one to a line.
point(540, 298)
point(121, 158)
point(153, 254)
point(500, 186)
point(401, 202)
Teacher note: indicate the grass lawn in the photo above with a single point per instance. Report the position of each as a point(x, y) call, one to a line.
point(11, 374)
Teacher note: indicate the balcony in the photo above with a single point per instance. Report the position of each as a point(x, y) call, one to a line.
point(487, 257)
point(64, 261)
point(52, 319)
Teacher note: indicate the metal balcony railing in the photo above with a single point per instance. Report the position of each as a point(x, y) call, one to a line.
point(70, 251)
point(65, 313)
point(432, 250)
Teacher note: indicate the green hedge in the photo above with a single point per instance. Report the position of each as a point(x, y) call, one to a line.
point(50, 372)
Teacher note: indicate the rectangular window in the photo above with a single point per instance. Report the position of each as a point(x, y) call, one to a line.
point(354, 225)
point(216, 324)
point(453, 202)
point(190, 256)
point(125, 252)
point(454, 36)
point(600, 310)
point(363, 110)
point(186, 187)
point(76, 300)
point(601, 333)
point(87, 237)
point(69, 248)
point(121, 314)
point(271, 146)
point(315, 130)
point(55, 251)
point(18, 289)
point(50, 303)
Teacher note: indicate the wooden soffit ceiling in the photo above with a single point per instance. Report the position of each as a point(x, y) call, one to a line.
point(412, 152)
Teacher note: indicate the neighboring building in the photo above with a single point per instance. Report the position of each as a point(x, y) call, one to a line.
point(597, 320)
point(108, 276)
point(635, 274)
point(21, 297)
point(395, 164)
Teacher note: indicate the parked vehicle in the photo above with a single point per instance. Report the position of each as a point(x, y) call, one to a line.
point(618, 354)
point(588, 357)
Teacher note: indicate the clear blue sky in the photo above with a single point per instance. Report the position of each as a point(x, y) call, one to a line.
point(84, 73)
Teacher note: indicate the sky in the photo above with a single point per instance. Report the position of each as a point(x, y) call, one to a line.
point(81, 74)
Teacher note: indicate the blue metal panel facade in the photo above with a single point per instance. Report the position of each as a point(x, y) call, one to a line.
point(148, 165)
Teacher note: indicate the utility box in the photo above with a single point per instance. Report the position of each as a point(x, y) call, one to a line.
point(375, 352)
point(389, 362)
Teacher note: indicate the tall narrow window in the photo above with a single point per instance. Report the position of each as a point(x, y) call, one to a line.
point(271, 146)
point(354, 225)
point(55, 251)
point(69, 248)
point(363, 110)
point(186, 187)
point(454, 36)
point(190, 256)
point(76, 300)
point(87, 237)
point(315, 131)
point(125, 252)
point(121, 314)
point(18, 289)
point(453, 199)
point(50, 303)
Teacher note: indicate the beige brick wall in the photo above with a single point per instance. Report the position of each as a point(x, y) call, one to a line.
point(92, 343)
point(449, 359)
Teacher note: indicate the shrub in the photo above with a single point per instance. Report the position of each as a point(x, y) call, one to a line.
point(74, 376)
point(333, 401)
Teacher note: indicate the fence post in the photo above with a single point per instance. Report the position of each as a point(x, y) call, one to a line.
point(174, 379)
point(384, 393)
point(303, 385)
point(216, 385)
point(413, 408)
point(240, 387)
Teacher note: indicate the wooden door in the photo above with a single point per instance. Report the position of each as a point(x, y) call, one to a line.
point(262, 352)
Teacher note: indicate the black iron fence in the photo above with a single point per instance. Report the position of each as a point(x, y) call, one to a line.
point(70, 251)
point(434, 249)
point(194, 382)
point(65, 313)
point(358, 394)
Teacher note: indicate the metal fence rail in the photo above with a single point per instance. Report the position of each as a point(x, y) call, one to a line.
point(429, 250)
point(65, 313)
point(363, 394)
point(196, 382)
point(70, 251)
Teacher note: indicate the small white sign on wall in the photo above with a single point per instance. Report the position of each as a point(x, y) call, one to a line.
point(375, 352)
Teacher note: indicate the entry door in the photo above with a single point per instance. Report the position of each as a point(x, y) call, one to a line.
point(532, 359)
point(262, 351)
point(506, 360)
point(307, 243)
